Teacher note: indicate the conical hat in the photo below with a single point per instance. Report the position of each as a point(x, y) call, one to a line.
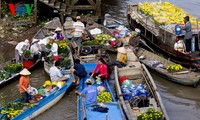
point(34, 40)
point(58, 29)
point(121, 50)
point(24, 72)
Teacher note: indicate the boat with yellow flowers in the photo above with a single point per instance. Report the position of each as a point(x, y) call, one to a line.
point(157, 21)
point(168, 69)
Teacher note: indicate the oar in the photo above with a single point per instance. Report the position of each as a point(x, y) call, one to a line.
point(143, 42)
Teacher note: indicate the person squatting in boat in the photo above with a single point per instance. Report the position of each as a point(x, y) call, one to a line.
point(90, 91)
point(101, 70)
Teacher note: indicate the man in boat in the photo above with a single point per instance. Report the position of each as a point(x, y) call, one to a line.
point(54, 48)
point(90, 91)
point(68, 26)
point(188, 33)
point(35, 49)
point(19, 49)
point(78, 32)
point(78, 70)
point(55, 73)
point(24, 84)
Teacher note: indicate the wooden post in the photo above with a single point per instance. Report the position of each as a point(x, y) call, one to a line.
point(62, 17)
point(35, 11)
point(0, 9)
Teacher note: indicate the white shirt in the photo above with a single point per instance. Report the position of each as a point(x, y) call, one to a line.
point(54, 49)
point(55, 73)
point(21, 46)
point(35, 48)
point(79, 27)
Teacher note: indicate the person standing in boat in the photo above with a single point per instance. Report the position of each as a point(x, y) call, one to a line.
point(19, 49)
point(54, 48)
point(78, 32)
point(188, 33)
point(78, 70)
point(101, 70)
point(24, 84)
point(35, 49)
point(55, 73)
point(90, 91)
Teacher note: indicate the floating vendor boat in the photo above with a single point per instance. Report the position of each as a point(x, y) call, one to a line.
point(137, 91)
point(168, 69)
point(28, 111)
point(157, 21)
point(89, 111)
point(43, 33)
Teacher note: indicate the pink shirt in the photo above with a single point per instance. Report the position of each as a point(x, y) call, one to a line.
point(102, 69)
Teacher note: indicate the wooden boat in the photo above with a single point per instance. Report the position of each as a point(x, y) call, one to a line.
point(184, 77)
point(85, 111)
point(138, 74)
point(42, 105)
point(93, 25)
point(162, 37)
point(41, 34)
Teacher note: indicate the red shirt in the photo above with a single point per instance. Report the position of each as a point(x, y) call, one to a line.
point(102, 69)
point(23, 82)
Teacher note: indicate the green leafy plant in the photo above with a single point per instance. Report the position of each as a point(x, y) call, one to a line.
point(63, 46)
point(13, 67)
point(66, 63)
point(27, 54)
point(150, 114)
point(48, 46)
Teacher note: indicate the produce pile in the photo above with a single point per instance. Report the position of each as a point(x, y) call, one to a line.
point(150, 114)
point(104, 97)
point(11, 110)
point(165, 13)
point(174, 68)
point(100, 39)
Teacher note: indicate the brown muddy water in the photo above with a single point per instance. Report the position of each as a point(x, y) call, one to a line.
point(181, 102)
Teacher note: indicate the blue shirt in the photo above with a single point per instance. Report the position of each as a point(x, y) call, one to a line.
point(91, 93)
point(80, 70)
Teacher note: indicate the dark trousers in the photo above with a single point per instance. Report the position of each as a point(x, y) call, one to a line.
point(188, 45)
point(24, 97)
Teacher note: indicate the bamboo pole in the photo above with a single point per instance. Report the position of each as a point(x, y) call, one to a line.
point(35, 10)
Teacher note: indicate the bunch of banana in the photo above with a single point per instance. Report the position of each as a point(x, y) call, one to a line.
point(104, 97)
point(165, 13)
point(11, 113)
point(102, 38)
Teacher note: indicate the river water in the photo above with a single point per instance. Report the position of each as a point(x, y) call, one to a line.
point(181, 102)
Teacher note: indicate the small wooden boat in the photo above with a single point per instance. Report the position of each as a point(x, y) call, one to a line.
point(184, 77)
point(85, 111)
point(162, 37)
point(137, 74)
point(41, 34)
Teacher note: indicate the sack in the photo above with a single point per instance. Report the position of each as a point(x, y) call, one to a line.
point(98, 108)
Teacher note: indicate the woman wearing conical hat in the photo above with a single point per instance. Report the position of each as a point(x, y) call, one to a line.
point(24, 84)
point(58, 34)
